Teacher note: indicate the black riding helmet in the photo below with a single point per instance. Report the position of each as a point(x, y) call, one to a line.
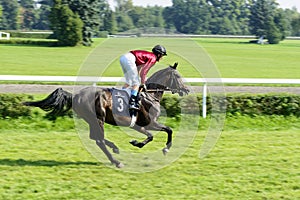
point(158, 49)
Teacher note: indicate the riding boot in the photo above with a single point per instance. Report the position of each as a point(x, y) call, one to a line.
point(133, 109)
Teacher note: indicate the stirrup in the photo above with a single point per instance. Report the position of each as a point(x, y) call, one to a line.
point(134, 103)
point(134, 107)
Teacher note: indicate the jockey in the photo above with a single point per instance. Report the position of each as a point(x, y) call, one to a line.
point(135, 63)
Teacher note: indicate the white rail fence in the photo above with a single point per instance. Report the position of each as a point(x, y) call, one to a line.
point(204, 81)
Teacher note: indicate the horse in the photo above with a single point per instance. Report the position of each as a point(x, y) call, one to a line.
point(94, 105)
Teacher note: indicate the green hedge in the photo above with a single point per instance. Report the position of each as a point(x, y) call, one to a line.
point(30, 42)
point(246, 104)
point(11, 106)
point(285, 105)
point(250, 105)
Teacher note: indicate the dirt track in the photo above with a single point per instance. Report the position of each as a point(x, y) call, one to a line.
point(45, 89)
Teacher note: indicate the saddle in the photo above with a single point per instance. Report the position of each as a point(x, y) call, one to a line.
point(120, 103)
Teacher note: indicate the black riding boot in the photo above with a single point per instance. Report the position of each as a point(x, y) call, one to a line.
point(133, 109)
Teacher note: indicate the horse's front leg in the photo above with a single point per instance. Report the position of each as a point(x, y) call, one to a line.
point(160, 127)
point(144, 131)
point(169, 131)
point(112, 146)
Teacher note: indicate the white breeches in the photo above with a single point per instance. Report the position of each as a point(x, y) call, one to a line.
point(129, 68)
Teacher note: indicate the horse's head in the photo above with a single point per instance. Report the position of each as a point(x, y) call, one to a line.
point(168, 79)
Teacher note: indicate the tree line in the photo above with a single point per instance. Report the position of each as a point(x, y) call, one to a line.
point(80, 20)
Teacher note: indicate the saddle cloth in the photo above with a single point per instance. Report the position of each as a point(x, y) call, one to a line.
point(120, 100)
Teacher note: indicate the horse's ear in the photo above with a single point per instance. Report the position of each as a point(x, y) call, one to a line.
point(175, 65)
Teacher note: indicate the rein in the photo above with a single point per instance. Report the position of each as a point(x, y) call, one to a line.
point(151, 92)
point(157, 90)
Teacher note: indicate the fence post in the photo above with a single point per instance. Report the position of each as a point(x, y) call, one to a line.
point(204, 95)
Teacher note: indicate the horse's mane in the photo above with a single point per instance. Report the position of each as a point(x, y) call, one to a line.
point(159, 78)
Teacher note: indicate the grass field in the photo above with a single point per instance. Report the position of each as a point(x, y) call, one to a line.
point(234, 58)
point(255, 158)
point(237, 58)
point(251, 161)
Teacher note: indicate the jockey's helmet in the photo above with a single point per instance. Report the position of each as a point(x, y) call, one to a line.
point(158, 49)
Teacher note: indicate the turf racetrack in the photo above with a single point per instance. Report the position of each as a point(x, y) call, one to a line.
point(245, 164)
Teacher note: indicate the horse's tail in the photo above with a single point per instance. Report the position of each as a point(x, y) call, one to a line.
point(58, 102)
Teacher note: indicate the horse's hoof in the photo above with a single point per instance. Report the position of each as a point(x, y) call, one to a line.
point(137, 144)
point(165, 151)
point(116, 151)
point(120, 165)
point(134, 142)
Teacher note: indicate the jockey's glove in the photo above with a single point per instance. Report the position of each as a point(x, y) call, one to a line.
point(143, 88)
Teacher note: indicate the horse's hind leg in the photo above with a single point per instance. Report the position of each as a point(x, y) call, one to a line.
point(101, 144)
point(98, 129)
point(112, 146)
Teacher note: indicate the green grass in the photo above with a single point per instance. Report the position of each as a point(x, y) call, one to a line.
point(43, 163)
point(234, 58)
point(36, 60)
point(239, 59)
point(255, 158)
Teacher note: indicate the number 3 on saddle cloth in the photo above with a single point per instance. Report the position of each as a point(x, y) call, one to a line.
point(120, 103)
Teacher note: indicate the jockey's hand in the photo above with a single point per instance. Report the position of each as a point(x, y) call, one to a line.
point(143, 88)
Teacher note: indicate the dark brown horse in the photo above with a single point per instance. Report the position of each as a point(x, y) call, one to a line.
point(94, 105)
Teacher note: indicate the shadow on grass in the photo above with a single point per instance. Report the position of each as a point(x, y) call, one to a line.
point(49, 163)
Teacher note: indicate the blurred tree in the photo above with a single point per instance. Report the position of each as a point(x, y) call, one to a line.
point(10, 10)
point(89, 12)
point(0, 13)
point(147, 17)
point(296, 26)
point(43, 12)
point(109, 22)
point(259, 17)
point(124, 22)
point(293, 21)
point(189, 16)
point(265, 21)
point(28, 13)
point(138, 16)
point(281, 22)
point(66, 25)
point(229, 16)
point(123, 6)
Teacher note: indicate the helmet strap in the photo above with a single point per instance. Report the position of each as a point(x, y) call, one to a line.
point(158, 57)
